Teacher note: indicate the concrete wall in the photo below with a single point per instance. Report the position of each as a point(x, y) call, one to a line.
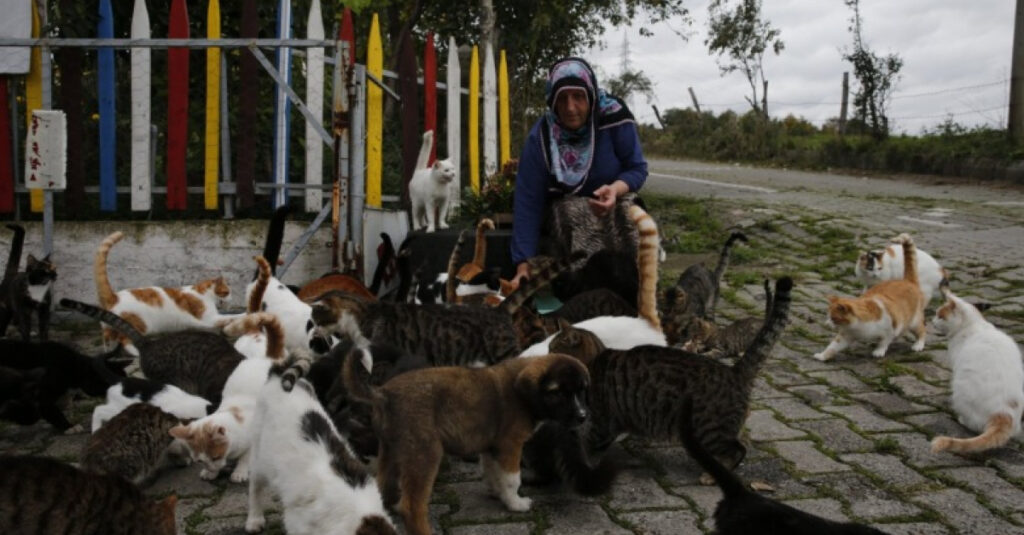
point(167, 254)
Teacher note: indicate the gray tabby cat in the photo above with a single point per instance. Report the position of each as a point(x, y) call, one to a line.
point(695, 295)
point(198, 362)
point(641, 390)
point(729, 341)
point(42, 496)
point(134, 444)
point(21, 294)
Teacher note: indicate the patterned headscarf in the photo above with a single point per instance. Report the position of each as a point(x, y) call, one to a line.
point(569, 153)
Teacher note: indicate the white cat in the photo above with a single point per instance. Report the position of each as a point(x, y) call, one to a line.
point(298, 455)
point(168, 398)
point(226, 434)
point(615, 332)
point(268, 294)
point(887, 264)
point(429, 188)
point(988, 377)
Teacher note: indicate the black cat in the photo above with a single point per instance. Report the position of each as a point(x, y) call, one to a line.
point(21, 294)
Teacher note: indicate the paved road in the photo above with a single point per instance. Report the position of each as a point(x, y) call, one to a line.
point(847, 439)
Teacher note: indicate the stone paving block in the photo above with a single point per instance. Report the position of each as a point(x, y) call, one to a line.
point(914, 387)
point(184, 509)
point(706, 498)
point(1009, 460)
point(183, 482)
point(868, 368)
point(836, 435)
point(823, 507)
point(939, 423)
point(986, 481)
point(963, 512)
point(67, 447)
point(512, 528)
point(793, 408)
point(887, 403)
point(762, 425)
point(913, 529)
point(806, 458)
point(889, 468)
point(816, 395)
point(24, 440)
point(664, 522)
point(782, 377)
point(639, 490)
point(583, 519)
point(773, 471)
point(917, 451)
point(867, 501)
point(677, 467)
point(843, 379)
point(227, 525)
point(931, 371)
point(476, 504)
point(763, 390)
point(866, 419)
point(229, 504)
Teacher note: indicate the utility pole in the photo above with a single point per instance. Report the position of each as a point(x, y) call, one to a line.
point(694, 97)
point(1016, 121)
point(842, 109)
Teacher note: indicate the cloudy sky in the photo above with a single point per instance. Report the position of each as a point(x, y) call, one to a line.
point(956, 60)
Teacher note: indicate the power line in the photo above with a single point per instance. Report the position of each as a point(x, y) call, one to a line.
point(950, 114)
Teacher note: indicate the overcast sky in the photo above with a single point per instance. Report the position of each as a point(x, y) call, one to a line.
point(956, 60)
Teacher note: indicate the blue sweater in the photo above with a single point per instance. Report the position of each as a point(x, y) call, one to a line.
point(617, 156)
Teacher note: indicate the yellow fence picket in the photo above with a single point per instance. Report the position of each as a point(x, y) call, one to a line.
point(212, 146)
point(374, 115)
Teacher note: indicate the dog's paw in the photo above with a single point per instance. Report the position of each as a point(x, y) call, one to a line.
point(255, 524)
point(518, 504)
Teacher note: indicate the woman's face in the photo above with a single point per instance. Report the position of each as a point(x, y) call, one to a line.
point(572, 107)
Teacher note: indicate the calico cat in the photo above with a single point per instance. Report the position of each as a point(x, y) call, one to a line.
point(268, 294)
point(641, 390)
point(226, 434)
point(709, 339)
point(885, 264)
point(333, 493)
point(153, 310)
point(695, 295)
point(443, 335)
point(27, 293)
point(429, 190)
point(473, 283)
point(43, 496)
point(133, 444)
point(66, 369)
point(133, 390)
point(987, 377)
point(10, 271)
point(742, 511)
point(198, 362)
point(885, 311)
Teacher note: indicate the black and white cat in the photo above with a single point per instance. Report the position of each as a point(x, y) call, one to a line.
point(21, 294)
point(429, 189)
point(887, 264)
point(166, 397)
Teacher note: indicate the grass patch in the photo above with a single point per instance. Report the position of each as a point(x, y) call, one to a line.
point(688, 225)
point(887, 445)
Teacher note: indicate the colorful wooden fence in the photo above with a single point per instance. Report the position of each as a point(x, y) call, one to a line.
point(494, 100)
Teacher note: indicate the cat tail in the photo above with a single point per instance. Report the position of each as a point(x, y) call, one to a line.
point(14, 256)
point(538, 280)
point(112, 320)
point(275, 236)
point(647, 265)
point(453, 260)
point(750, 363)
point(769, 298)
point(468, 271)
point(404, 275)
point(105, 293)
point(260, 321)
point(387, 255)
point(263, 271)
point(998, 431)
point(909, 258)
point(723, 263)
point(424, 156)
point(355, 374)
point(295, 367)
point(730, 484)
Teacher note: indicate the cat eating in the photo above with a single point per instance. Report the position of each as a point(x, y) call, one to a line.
point(429, 189)
point(887, 264)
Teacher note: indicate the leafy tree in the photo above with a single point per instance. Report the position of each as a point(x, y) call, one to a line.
point(740, 34)
point(629, 83)
point(876, 77)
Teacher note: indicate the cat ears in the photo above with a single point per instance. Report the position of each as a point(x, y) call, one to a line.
point(564, 325)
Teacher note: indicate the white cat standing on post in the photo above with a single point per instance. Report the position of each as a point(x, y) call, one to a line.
point(429, 188)
point(988, 377)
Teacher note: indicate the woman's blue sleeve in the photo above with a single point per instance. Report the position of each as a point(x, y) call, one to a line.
point(529, 201)
point(631, 156)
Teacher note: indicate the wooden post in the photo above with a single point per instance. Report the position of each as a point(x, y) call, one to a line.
point(454, 127)
point(693, 96)
point(842, 109)
point(141, 106)
point(474, 121)
point(315, 104)
point(248, 91)
point(374, 114)
point(410, 112)
point(1016, 113)
point(504, 133)
point(177, 108)
point(764, 100)
point(490, 113)
point(430, 94)
point(282, 106)
point(657, 115)
point(211, 152)
point(6, 160)
point(108, 112)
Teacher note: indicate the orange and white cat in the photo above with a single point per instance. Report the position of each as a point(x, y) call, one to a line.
point(155, 309)
point(987, 377)
point(886, 310)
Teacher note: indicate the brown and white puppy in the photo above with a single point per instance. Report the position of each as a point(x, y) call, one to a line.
point(423, 414)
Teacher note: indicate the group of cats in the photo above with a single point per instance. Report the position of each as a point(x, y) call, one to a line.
point(320, 377)
point(988, 376)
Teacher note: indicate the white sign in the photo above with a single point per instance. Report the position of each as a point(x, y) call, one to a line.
point(46, 151)
point(15, 22)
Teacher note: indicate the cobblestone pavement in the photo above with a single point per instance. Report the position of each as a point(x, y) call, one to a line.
point(846, 439)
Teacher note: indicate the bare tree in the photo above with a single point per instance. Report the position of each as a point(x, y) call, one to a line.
point(876, 78)
point(742, 37)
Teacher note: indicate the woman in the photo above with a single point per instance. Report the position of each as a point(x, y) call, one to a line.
point(586, 144)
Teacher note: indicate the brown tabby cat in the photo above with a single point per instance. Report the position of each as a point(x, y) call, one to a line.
point(42, 496)
point(444, 335)
point(642, 389)
point(709, 339)
point(134, 444)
